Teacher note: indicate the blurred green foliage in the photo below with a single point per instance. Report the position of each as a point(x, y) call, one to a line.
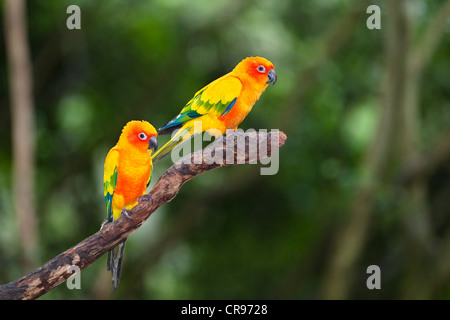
point(231, 233)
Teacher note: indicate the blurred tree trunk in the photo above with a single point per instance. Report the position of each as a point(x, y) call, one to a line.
point(396, 142)
point(352, 236)
point(22, 125)
point(420, 240)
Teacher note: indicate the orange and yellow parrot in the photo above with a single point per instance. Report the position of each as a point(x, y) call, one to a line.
point(127, 173)
point(223, 104)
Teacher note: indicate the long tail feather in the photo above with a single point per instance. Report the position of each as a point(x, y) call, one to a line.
point(114, 263)
point(182, 135)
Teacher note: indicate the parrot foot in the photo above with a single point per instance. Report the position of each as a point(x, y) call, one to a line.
point(126, 213)
point(145, 197)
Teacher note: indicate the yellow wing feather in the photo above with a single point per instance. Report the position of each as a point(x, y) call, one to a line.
point(212, 101)
point(110, 179)
point(215, 97)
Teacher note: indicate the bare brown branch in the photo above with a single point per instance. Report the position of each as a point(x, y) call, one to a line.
point(55, 271)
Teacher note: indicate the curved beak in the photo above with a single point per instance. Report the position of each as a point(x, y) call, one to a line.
point(271, 77)
point(153, 143)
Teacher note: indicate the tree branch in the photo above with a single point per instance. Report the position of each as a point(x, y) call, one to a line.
point(55, 271)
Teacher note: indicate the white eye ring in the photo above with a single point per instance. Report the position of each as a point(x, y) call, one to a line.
point(261, 69)
point(142, 136)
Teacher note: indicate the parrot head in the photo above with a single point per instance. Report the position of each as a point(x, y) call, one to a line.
point(258, 69)
point(140, 134)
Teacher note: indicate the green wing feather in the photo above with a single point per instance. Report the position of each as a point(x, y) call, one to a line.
point(217, 98)
point(110, 180)
point(114, 260)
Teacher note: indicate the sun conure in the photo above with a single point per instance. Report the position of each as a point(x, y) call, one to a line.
point(127, 173)
point(223, 104)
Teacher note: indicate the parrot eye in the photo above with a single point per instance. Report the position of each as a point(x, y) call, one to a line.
point(142, 136)
point(261, 69)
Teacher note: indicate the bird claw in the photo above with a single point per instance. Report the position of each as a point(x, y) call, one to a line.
point(145, 197)
point(126, 213)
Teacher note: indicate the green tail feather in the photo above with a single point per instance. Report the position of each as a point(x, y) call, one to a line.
point(182, 135)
